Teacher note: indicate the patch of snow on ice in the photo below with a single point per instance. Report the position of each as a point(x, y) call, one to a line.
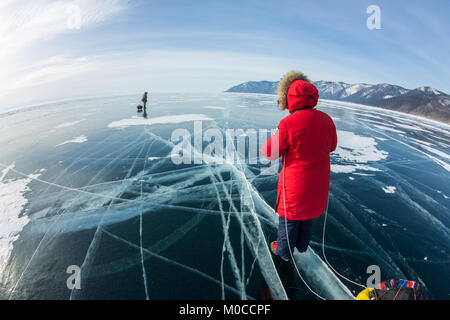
point(437, 152)
point(79, 139)
point(137, 121)
point(338, 168)
point(12, 201)
point(354, 148)
point(420, 142)
point(353, 151)
point(387, 128)
point(68, 124)
point(86, 114)
point(389, 189)
point(214, 107)
point(411, 127)
point(440, 192)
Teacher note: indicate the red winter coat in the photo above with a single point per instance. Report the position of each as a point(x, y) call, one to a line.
point(305, 139)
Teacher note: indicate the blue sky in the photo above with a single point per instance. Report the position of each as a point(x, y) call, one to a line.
point(126, 46)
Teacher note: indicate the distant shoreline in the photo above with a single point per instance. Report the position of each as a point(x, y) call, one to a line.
point(362, 105)
point(424, 102)
point(50, 103)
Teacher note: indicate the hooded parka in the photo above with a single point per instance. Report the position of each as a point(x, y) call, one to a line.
point(304, 139)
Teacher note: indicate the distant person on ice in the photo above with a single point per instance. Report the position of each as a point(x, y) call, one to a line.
point(304, 139)
point(144, 99)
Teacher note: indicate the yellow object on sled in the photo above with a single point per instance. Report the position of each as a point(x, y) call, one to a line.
point(365, 294)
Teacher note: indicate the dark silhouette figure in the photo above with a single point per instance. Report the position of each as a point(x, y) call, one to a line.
point(144, 99)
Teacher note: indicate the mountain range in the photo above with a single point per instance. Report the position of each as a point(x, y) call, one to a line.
point(423, 101)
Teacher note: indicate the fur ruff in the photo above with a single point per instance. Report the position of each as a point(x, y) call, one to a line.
point(284, 84)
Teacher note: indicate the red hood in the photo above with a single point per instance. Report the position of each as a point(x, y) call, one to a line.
point(301, 94)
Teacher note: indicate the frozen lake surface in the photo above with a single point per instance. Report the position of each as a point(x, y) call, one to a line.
point(91, 183)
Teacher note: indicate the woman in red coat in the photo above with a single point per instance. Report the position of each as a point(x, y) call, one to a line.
point(304, 139)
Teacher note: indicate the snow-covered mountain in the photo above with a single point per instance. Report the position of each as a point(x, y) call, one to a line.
point(422, 101)
point(256, 87)
point(430, 91)
point(359, 92)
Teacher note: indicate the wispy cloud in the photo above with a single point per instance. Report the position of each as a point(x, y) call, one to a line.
point(46, 71)
point(28, 24)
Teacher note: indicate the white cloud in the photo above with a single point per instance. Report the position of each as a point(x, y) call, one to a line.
point(25, 25)
point(47, 71)
point(26, 22)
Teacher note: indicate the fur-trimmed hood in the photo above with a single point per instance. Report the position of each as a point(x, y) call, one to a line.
point(303, 94)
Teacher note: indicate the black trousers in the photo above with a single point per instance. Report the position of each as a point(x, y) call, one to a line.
point(299, 234)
